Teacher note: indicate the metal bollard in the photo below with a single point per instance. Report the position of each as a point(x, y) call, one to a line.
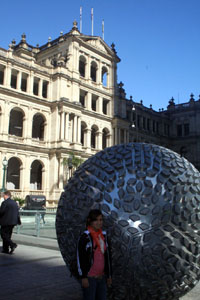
point(37, 221)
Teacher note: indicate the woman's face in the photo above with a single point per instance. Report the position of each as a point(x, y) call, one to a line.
point(98, 223)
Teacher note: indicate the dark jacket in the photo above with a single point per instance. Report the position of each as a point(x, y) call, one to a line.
point(85, 255)
point(9, 212)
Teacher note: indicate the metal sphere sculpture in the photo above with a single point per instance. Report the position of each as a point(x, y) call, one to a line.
point(150, 199)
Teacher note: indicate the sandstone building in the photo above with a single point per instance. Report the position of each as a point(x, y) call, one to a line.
point(64, 96)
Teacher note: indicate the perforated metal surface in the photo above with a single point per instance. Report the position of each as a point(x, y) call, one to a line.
point(150, 199)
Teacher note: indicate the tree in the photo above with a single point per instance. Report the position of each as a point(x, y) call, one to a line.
point(72, 162)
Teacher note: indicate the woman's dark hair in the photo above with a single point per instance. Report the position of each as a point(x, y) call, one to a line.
point(93, 214)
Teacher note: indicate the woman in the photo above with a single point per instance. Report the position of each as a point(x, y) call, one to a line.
point(94, 259)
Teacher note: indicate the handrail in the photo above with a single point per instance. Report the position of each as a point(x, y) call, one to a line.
point(32, 223)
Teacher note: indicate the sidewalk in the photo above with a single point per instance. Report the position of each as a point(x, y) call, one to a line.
point(36, 271)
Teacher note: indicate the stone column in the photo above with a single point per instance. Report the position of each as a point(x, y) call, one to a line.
point(19, 80)
point(29, 123)
point(128, 136)
point(125, 136)
point(108, 80)
point(67, 126)
point(79, 130)
point(119, 136)
point(115, 136)
point(89, 101)
point(40, 87)
point(88, 67)
point(26, 174)
point(7, 75)
point(98, 81)
point(25, 127)
point(109, 140)
point(30, 83)
point(44, 183)
point(61, 173)
point(99, 140)
point(88, 142)
point(62, 124)
point(100, 105)
point(100, 73)
point(74, 129)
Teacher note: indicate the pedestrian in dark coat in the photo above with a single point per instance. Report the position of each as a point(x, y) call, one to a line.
point(9, 217)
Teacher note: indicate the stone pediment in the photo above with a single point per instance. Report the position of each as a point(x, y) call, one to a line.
point(99, 44)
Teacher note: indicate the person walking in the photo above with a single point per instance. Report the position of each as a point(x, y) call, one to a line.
point(43, 209)
point(9, 217)
point(93, 258)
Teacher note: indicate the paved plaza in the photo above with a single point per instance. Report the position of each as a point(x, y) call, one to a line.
point(36, 271)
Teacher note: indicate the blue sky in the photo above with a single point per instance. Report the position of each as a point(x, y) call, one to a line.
point(157, 40)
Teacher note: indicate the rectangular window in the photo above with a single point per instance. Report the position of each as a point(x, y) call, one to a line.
point(179, 130)
point(144, 123)
point(93, 73)
point(148, 124)
point(82, 100)
point(44, 89)
point(154, 126)
point(122, 136)
point(13, 81)
point(186, 129)
point(94, 104)
point(167, 130)
point(24, 82)
point(105, 106)
point(35, 86)
point(157, 127)
point(1, 74)
point(82, 68)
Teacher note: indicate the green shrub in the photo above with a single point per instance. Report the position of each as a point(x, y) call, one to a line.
point(21, 201)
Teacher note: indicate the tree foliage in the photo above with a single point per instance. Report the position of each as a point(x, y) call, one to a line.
point(72, 161)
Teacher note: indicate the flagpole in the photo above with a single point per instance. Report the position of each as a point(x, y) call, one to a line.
point(103, 29)
point(80, 19)
point(92, 21)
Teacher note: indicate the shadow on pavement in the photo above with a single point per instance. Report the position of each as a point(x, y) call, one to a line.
point(33, 273)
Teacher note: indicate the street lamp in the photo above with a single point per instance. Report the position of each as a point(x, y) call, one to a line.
point(70, 165)
point(134, 124)
point(5, 165)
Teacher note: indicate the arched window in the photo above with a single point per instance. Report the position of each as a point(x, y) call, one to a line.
point(36, 175)
point(13, 173)
point(83, 133)
point(16, 122)
point(93, 71)
point(38, 127)
point(104, 77)
point(105, 137)
point(82, 63)
point(2, 68)
point(94, 130)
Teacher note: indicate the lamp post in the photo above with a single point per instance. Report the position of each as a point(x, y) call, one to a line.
point(5, 165)
point(134, 124)
point(70, 165)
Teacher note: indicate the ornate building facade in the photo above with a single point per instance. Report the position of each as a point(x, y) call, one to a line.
point(63, 96)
